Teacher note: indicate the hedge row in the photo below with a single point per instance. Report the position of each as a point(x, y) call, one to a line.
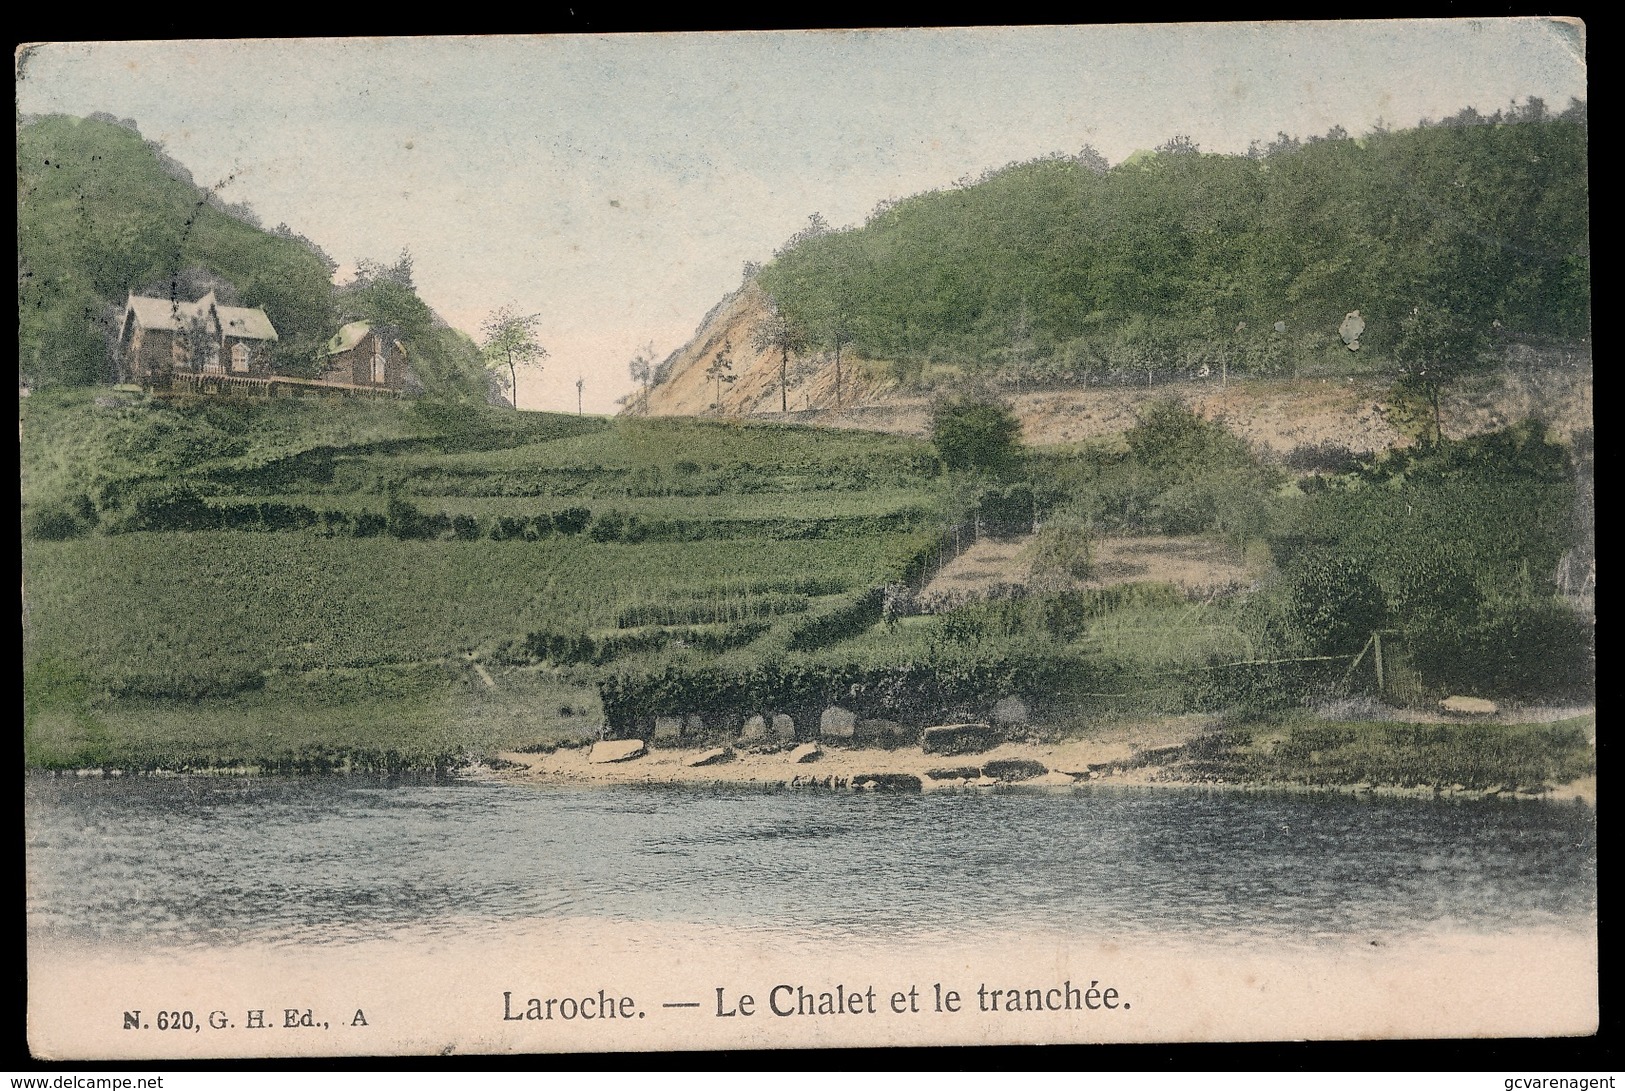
point(851, 616)
point(705, 611)
point(565, 649)
point(913, 693)
point(942, 689)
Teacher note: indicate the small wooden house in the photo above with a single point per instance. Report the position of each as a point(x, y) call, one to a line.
point(161, 340)
point(361, 355)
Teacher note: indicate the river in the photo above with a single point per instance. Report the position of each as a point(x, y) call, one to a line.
point(178, 862)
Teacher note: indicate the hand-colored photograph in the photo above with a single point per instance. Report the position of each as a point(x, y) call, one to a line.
point(757, 540)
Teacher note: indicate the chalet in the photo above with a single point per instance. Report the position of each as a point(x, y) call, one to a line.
point(165, 342)
point(364, 356)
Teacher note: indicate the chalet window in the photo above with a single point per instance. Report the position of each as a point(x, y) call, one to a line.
point(177, 350)
point(378, 362)
point(213, 361)
point(239, 357)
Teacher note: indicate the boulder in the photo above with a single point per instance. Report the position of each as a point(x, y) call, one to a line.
point(1012, 769)
point(1469, 706)
point(715, 756)
point(616, 750)
point(755, 729)
point(1054, 779)
point(784, 727)
point(960, 739)
point(887, 782)
point(668, 729)
point(693, 725)
point(837, 723)
point(1010, 711)
point(958, 772)
point(806, 752)
point(880, 732)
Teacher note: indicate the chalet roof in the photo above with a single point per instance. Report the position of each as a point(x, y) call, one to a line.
point(349, 336)
point(153, 313)
point(246, 322)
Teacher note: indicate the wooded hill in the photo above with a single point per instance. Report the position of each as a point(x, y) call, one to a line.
point(103, 212)
point(1064, 268)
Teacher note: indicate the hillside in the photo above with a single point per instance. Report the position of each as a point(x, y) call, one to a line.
point(1079, 291)
point(1361, 412)
point(102, 212)
point(318, 585)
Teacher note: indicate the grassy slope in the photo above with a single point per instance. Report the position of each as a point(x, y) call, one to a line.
point(216, 647)
point(309, 652)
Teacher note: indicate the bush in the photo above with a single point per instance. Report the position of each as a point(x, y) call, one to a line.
point(1176, 444)
point(975, 435)
point(60, 519)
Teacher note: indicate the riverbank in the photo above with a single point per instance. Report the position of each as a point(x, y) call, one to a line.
point(1554, 761)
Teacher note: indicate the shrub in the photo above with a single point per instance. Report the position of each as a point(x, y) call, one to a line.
point(975, 435)
point(59, 519)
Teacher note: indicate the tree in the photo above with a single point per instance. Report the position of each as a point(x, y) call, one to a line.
point(1437, 346)
point(642, 369)
point(778, 332)
point(510, 339)
point(1333, 601)
point(721, 371)
point(580, 382)
point(975, 435)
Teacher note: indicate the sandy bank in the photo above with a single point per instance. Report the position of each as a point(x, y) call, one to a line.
point(1125, 756)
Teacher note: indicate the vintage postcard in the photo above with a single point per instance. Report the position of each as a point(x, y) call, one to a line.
point(723, 541)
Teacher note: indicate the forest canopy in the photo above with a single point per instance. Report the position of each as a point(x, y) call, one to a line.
point(1061, 265)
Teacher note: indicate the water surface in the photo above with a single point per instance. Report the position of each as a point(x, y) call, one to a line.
point(159, 862)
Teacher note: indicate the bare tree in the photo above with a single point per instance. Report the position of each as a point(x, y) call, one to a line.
point(642, 369)
point(510, 338)
point(778, 332)
point(721, 371)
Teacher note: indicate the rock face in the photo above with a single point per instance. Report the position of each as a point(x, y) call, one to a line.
point(668, 729)
point(805, 752)
point(1469, 706)
point(1011, 711)
point(960, 739)
point(616, 750)
point(714, 756)
point(837, 723)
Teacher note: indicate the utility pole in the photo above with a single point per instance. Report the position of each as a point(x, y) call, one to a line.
point(580, 382)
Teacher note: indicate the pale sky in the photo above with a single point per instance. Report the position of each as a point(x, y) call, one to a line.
point(616, 184)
